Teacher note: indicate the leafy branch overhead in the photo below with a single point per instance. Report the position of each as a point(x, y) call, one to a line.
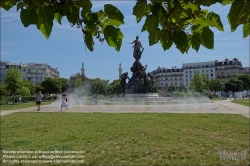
point(180, 22)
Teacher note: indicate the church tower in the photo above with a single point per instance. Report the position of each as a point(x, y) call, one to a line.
point(120, 70)
point(82, 69)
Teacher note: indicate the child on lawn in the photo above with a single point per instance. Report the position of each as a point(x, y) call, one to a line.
point(64, 102)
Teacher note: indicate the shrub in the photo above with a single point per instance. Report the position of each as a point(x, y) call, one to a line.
point(197, 94)
point(189, 94)
point(182, 94)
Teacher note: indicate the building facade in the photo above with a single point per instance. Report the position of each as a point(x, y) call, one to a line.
point(207, 68)
point(165, 77)
point(246, 70)
point(4, 66)
point(227, 69)
point(36, 72)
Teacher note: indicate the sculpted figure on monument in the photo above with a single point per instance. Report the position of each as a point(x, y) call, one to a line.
point(123, 79)
point(137, 48)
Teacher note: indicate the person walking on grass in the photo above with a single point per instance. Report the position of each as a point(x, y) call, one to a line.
point(64, 102)
point(39, 97)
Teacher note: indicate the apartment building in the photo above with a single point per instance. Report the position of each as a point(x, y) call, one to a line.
point(226, 69)
point(4, 66)
point(207, 68)
point(37, 72)
point(165, 77)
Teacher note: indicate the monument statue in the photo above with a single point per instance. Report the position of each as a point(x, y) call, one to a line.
point(123, 83)
point(140, 82)
point(137, 48)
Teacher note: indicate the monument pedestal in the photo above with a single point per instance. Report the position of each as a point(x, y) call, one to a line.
point(141, 97)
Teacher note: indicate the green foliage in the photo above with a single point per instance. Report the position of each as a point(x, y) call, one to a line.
point(197, 94)
point(30, 86)
point(234, 85)
point(217, 85)
point(245, 78)
point(171, 88)
point(114, 87)
point(64, 83)
point(189, 94)
point(198, 82)
point(99, 86)
point(183, 88)
point(13, 81)
point(181, 22)
point(182, 94)
point(51, 85)
point(23, 91)
point(3, 91)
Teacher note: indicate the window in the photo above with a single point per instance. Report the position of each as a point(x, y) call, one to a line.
point(186, 80)
point(190, 71)
point(211, 70)
point(212, 74)
point(186, 76)
point(186, 84)
point(186, 72)
point(23, 69)
point(202, 71)
point(175, 83)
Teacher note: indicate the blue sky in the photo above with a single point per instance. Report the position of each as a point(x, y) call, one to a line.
point(65, 48)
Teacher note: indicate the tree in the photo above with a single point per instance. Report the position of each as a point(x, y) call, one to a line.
point(114, 87)
point(206, 80)
point(234, 85)
point(13, 80)
point(30, 86)
point(197, 82)
point(64, 83)
point(183, 88)
point(180, 22)
point(245, 78)
point(171, 88)
point(217, 85)
point(3, 91)
point(98, 86)
point(51, 85)
point(23, 91)
point(78, 86)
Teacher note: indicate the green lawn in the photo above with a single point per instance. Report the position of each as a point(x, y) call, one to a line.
point(245, 102)
point(130, 139)
point(21, 105)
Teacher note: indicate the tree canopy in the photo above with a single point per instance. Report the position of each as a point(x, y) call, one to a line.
point(185, 23)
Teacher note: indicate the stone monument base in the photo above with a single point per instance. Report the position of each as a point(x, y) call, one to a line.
point(141, 97)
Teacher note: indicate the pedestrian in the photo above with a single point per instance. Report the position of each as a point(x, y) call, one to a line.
point(39, 97)
point(64, 102)
point(243, 96)
point(230, 95)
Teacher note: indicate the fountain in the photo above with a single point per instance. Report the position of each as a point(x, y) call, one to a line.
point(140, 86)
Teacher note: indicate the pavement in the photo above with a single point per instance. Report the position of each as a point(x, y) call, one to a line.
point(221, 106)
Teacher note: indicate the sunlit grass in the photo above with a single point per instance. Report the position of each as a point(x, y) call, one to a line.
point(245, 102)
point(130, 139)
point(20, 105)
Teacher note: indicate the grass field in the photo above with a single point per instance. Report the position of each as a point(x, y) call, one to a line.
point(245, 102)
point(130, 139)
point(21, 105)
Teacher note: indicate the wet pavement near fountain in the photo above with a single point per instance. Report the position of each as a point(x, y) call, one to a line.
point(221, 107)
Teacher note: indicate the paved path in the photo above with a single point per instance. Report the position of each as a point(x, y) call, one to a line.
point(223, 107)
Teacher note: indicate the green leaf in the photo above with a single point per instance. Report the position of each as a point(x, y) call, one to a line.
point(150, 24)
point(113, 36)
point(206, 36)
point(45, 20)
point(101, 15)
point(158, 11)
point(88, 39)
point(195, 43)
point(114, 15)
point(20, 5)
point(58, 18)
point(139, 9)
point(28, 16)
point(181, 41)
point(86, 5)
point(207, 2)
point(213, 20)
point(166, 41)
point(246, 30)
point(154, 36)
point(7, 4)
point(226, 2)
point(239, 14)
